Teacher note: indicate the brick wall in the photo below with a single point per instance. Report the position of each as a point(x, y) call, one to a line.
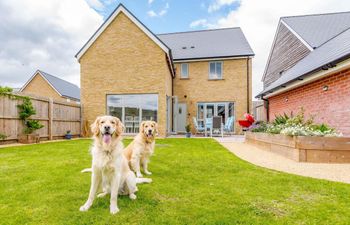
point(38, 86)
point(198, 88)
point(331, 106)
point(123, 60)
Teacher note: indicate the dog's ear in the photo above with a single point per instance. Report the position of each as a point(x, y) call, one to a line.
point(155, 127)
point(95, 127)
point(119, 126)
point(142, 126)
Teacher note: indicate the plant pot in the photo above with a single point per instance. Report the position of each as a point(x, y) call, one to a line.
point(188, 134)
point(68, 136)
point(28, 138)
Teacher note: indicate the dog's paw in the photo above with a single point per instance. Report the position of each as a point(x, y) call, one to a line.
point(138, 174)
point(132, 196)
point(148, 173)
point(84, 208)
point(114, 209)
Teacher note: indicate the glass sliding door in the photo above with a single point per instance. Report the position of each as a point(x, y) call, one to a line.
point(207, 110)
point(132, 109)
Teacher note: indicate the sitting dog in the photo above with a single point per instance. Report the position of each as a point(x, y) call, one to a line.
point(142, 147)
point(109, 166)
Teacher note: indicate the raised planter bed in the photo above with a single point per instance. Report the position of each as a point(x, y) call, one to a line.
point(304, 149)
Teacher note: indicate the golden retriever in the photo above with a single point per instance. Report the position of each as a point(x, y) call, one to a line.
point(109, 166)
point(142, 147)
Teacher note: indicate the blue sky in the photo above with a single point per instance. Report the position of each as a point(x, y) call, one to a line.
point(46, 34)
point(178, 15)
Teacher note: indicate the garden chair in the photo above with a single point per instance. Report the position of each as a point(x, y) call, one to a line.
point(208, 125)
point(228, 127)
point(217, 126)
point(199, 128)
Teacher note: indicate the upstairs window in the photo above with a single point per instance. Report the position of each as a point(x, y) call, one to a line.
point(215, 70)
point(184, 70)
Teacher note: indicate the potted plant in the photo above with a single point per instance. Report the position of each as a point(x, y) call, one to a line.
point(26, 110)
point(68, 135)
point(188, 130)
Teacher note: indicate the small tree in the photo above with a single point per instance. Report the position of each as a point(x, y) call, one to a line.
point(26, 110)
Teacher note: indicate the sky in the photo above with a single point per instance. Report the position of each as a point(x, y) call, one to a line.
point(46, 34)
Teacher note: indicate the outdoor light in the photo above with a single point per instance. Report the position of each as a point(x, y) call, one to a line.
point(325, 88)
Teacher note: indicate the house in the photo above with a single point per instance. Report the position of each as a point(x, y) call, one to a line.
point(46, 85)
point(129, 72)
point(309, 67)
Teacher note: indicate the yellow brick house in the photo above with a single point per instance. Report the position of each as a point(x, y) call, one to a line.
point(129, 72)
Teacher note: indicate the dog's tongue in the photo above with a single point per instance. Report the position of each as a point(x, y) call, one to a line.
point(106, 138)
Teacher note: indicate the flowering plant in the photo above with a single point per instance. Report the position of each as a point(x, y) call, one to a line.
point(295, 126)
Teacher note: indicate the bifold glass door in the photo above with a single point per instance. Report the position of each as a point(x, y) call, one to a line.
point(209, 109)
point(132, 109)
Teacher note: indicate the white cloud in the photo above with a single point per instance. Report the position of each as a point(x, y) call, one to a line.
point(150, 1)
point(162, 12)
point(46, 35)
point(202, 23)
point(96, 4)
point(259, 20)
point(218, 4)
point(152, 13)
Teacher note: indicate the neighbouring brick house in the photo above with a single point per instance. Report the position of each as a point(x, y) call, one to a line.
point(129, 72)
point(42, 84)
point(309, 67)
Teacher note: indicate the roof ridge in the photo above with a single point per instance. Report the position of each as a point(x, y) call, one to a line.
point(333, 37)
point(316, 14)
point(45, 73)
point(194, 31)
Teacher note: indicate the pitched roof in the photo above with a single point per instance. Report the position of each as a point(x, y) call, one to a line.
point(331, 46)
point(319, 28)
point(121, 9)
point(63, 88)
point(217, 43)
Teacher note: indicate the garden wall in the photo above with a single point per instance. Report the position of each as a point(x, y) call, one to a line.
point(56, 116)
point(303, 149)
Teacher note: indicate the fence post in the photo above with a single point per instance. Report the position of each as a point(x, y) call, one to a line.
point(81, 120)
point(50, 118)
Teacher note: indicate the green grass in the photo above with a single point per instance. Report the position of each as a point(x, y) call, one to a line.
point(195, 181)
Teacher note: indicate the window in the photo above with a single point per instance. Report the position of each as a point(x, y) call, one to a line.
point(132, 109)
point(184, 70)
point(215, 70)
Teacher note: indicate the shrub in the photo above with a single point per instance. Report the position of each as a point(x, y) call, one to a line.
point(26, 110)
point(296, 126)
point(3, 136)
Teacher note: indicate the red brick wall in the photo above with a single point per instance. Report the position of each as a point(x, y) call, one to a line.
point(331, 107)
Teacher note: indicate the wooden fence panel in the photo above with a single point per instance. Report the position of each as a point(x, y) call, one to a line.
point(57, 118)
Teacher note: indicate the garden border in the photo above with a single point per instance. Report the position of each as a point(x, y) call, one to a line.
point(303, 148)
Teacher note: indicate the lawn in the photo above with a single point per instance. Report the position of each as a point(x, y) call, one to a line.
point(195, 181)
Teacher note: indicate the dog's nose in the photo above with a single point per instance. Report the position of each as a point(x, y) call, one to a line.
point(107, 127)
point(150, 131)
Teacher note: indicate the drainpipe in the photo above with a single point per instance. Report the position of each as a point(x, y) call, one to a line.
point(266, 101)
point(248, 111)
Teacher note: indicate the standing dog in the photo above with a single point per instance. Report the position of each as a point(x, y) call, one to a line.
point(142, 147)
point(109, 166)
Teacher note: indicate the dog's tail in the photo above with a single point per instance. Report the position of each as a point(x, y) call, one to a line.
point(87, 170)
point(143, 180)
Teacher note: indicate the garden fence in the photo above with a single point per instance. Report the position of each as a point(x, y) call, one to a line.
point(57, 117)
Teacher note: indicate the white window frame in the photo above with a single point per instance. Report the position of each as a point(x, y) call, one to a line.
point(215, 111)
point(222, 70)
point(181, 72)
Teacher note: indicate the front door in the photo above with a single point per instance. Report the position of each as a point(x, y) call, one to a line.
point(181, 117)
